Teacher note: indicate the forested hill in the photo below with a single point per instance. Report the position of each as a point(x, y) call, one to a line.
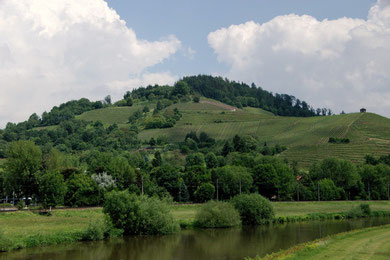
point(242, 95)
point(233, 93)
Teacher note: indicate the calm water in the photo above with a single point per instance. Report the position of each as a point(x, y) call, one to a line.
point(197, 244)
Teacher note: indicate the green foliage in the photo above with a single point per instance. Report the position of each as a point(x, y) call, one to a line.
point(254, 209)
point(217, 214)
point(52, 189)
point(96, 230)
point(363, 210)
point(195, 159)
point(5, 243)
point(167, 177)
point(139, 215)
point(242, 95)
point(204, 192)
point(82, 190)
point(22, 168)
point(328, 190)
point(232, 180)
point(335, 140)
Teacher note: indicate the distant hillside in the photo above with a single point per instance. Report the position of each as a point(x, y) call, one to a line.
point(306, 138)
point(216, 106)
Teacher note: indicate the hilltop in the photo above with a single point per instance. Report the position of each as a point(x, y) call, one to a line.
point(216, 106)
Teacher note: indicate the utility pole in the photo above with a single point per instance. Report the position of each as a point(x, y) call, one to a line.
point(142, 184)
point(297, 191)
point(217, 190)
point(318, 191)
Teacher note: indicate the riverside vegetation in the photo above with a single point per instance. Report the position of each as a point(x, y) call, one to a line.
point(70, 225)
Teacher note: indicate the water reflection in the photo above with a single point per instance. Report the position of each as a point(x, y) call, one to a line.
point(197, 244)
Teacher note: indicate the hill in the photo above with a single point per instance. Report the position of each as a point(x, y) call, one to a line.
point(306, 138)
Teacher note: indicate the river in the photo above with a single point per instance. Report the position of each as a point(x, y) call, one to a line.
point(227, 244)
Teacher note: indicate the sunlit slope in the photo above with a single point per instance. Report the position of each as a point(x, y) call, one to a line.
point(305, 138)
point(110, 115)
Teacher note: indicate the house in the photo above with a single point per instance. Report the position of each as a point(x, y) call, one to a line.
point(363, 110)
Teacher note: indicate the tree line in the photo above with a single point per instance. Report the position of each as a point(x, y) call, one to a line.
point(54, 178)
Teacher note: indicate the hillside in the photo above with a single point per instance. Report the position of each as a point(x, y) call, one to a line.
point(305, 137)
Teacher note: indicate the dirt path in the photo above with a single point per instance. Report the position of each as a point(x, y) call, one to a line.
point(224, 106)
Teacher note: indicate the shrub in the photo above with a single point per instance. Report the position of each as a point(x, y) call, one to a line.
point(366, 210)
point(363, 210)
point(253, 208)
point(21, 204)
point(139, 214)
point(95, 231)
point(216, 214)
point(5, 243)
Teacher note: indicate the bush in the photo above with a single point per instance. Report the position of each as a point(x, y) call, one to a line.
point(21, 204)
point(139, 215)
point(5, 243)
point(95, 231)
point(216, 214)
point(253, 208)
point(363, 210)
point(366, 210)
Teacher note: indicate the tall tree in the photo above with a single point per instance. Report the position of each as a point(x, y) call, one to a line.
point(23, 164)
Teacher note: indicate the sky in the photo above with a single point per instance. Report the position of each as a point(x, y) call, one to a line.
point(333, 54)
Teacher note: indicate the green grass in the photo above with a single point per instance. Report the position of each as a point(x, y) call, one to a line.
point(110, 115)
point(187, 212)
point(305, 138)
point(369, 243)
point(27, 229)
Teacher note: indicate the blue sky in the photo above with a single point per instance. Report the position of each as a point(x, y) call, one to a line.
point(333, 54)
point(191, 22)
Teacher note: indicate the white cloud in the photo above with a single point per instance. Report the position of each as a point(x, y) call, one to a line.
point(342, 64)
point(54, 51)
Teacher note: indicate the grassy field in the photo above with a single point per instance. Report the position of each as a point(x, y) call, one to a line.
point(188, 211)
point(305, 138)
point(27, 229)
point(370, 243)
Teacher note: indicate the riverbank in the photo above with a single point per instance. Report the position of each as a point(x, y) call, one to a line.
point(368, 243)
point(22, 229)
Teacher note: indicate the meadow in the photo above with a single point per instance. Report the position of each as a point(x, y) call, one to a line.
point(368, 243)
point(23, 229)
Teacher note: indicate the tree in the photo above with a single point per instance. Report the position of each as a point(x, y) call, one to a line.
point(157, 161)
point(204, 192)
point(52, 189)
point(82, 190)
point(22, 168)
point(232, 180)
point(227, 148)
point(211, 160)
point(195, 159)
point(181, 88)
point(167, 177)
point(107, 99)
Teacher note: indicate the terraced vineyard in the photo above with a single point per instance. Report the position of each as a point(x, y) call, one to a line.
point(305, 138)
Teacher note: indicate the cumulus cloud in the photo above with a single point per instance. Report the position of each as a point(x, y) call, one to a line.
point(342, 64)
point(54, 51)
